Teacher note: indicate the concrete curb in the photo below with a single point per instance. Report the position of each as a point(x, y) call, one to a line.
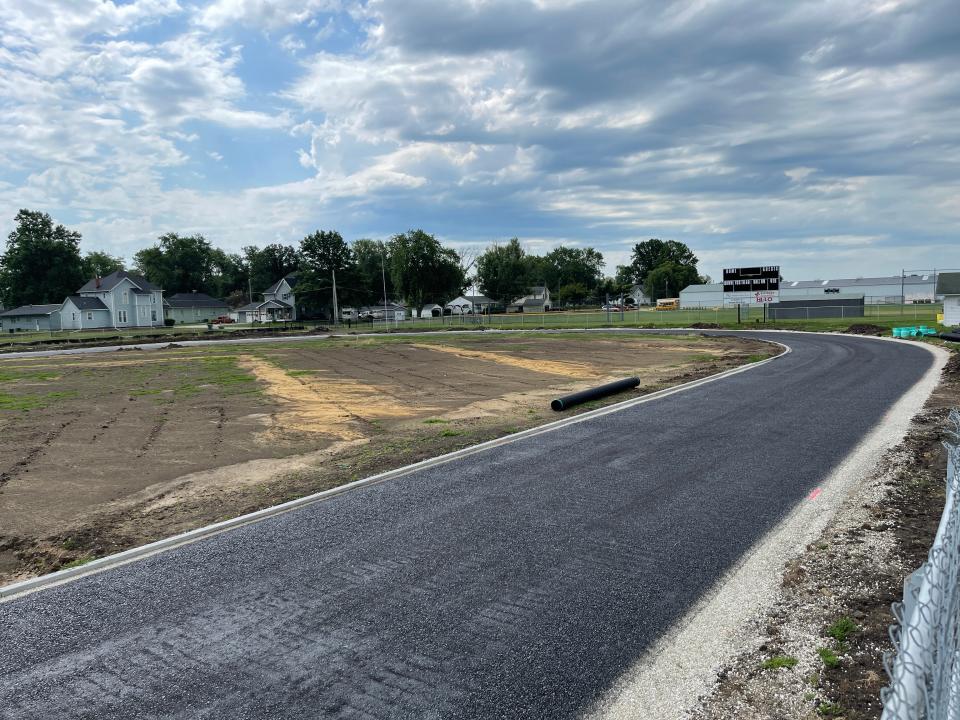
point(100, 564)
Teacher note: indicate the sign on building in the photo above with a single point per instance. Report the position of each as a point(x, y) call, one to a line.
point(751, 285)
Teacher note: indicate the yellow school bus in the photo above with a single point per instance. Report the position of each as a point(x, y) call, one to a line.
point(668, 304)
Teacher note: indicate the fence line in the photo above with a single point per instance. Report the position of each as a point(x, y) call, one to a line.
point(925, 673)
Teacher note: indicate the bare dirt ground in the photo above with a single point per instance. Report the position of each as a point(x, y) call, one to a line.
point(100, 453)
point(818, 652)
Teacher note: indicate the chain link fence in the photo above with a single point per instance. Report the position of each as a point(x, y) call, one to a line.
point(925, 672)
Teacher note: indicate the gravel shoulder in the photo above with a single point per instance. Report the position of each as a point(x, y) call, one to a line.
point(817, 651)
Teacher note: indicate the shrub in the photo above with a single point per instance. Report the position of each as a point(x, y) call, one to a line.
point(169, 322)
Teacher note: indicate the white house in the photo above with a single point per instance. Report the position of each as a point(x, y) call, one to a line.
point(639, 296)
point(263, 311)
point(537, 300)
point(469, 304)
point(282, 292)
point(948, 285)
point(125, 300)
point(431, 310)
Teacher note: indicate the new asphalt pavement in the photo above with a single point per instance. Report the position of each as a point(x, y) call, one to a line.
point(518, 582)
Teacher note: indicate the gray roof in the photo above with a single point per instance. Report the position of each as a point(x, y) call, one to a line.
point(859, 282)
point(291, 281)
point(108, 282)
point(478, 299)
point(708, 287)
point(196, 299)
point(263, 304)
point(948, 283)
point(31, 310)
point(87, 303)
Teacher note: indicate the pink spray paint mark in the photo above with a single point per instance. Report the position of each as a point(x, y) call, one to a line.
point(813, 494)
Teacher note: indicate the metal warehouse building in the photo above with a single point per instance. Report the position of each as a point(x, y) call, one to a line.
point(875, 290)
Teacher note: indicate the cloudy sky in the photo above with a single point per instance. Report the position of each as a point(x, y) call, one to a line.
point(821, 136)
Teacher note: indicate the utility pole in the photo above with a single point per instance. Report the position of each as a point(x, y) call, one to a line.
point(336, 310)
point(249, 289)
point(383, 277)
point(903, 298)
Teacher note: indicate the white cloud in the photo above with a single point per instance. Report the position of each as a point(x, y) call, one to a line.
point(266, 14)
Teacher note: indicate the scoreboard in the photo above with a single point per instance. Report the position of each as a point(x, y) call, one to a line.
point(751, 285)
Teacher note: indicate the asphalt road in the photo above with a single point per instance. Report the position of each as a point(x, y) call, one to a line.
point(516, 582)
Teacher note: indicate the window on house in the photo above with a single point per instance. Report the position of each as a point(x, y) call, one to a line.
point(73, 315)
point(126, 297)
point(121, 316)
point(89, 316)
point(286, 296)
point(153, 315)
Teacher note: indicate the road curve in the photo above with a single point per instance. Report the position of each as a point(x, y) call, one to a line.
point(516, 582)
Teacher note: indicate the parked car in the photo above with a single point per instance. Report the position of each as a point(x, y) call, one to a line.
point(611, 308)
point(224, 320)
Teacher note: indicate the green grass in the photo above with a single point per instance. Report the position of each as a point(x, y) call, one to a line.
point(779, 661)
point(23, 403)
point(842, 629)
point(830, 709)
point(434, 421)
point(451, 433)
point(80, 561)
point(829, 657)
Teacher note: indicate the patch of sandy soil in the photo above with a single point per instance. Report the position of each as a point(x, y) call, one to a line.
point(550, 367)
point(847, 579)
point(335, 407)
point(106, 456)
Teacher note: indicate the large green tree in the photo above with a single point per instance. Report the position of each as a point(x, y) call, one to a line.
point(668, 279)
point(42, 263)
point(373, 270)
point(97, 264)
point(504, 272)
point(323, 255)
point(569, 266)
point(268, 264)
point(180, 264)
point(653, 253)
point(423, 269)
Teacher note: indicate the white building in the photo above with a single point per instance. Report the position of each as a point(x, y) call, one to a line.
point(469, 304)
point(875, 290)
point(702, 296)
point(919, 288)
point(948, 285)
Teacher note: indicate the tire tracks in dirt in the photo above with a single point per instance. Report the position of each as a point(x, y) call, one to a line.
point(23, 465)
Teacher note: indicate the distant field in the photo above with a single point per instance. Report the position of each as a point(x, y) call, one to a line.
point(886, 316)
point(105, 451)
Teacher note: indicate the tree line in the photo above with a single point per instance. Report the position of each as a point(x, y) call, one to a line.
point(43, 263)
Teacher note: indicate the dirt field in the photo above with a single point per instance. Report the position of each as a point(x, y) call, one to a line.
point(103, 452)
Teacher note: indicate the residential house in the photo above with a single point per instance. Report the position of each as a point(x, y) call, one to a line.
point(263, 311)
point(639, 296)
point(537, 300)
point(80, 312)
point(31, 318)
point(282, 292)
point(469, 304)
point(129, 300)
point(194, 307)
point(431, 310)
point(948, 285)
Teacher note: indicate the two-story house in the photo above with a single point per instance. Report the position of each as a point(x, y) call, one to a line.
point(282, 292)
point(120, 299)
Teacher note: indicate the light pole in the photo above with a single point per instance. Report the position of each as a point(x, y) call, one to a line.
point(383, 278)
point(336, 310)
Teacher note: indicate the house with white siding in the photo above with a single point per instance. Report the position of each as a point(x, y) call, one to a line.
point(283, 294)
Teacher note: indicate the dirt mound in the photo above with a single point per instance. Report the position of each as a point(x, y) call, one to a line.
point(865, 329)
point(705, 326)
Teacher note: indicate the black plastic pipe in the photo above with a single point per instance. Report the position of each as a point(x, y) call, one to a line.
point(568, 401)
point(952, 336)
